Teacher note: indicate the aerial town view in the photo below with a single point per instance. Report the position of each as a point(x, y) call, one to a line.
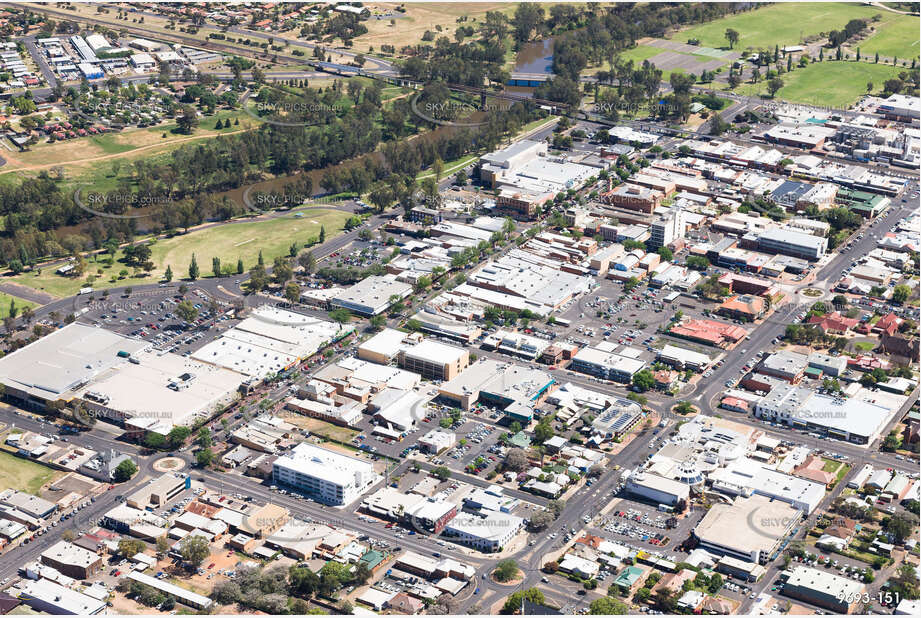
point(460, 308)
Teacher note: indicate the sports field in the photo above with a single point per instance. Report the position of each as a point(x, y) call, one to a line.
point(896, 38)
point(228, 242)
point(22, 474)
point(831, 84)
point(780, 24)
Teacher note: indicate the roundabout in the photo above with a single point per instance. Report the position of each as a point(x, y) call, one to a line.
point(169, 464)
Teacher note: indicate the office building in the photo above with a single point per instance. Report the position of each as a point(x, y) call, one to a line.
point(330, 477)
point(666, 229)
point(71, 560)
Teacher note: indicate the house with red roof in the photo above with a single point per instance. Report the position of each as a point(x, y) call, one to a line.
point(833, 322)
point(888, 324)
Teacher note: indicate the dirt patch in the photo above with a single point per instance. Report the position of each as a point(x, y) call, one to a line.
point(168, 464)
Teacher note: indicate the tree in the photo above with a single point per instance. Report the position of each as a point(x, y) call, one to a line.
point(186, 311)
point(901, 293)
point(124, 471)
point(684, 407)
point(505, 571)
point(607, 606)
point(378, 322)
point(239, 266)
point(130, 547)
point(441, 472)
point(514, 602)
point(204, 457)
point(732, 36)
point(516, 460)
point(900, 525)
point(322, 234)
point(343, 316)
point(194, 549)
point(666, 254)
point(193, 268)
point(307, 261)
point(543, 431)
point(292, 292)
point(204, 437)
point(187, 120)
point(773, 85)
point(540, 520)
point(869, 86)
point(168, 275)
point(216, 266)
point(644, 380)
point(716, 583)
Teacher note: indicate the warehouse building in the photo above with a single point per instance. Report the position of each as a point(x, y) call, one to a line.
point(186, 597)
point(46, 596)
point(827, 590)
point(330, 477)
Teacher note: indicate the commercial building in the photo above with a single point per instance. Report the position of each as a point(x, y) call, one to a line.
point(487, 532)
point(606, 364)
point(158, 491)
point(634, 197)
point(270, 340)
point(710, 332)
point(750, 529)
point(431, 359)
point(372, 295)
point(825, 589)
point(851, 419)
point(437, 440)
point(59, 363)
point(526, 176)
point(806, 136)
point(515, 389)
point(792, 242)
point(657, 489)
point(331, 477)
point(71, 560)
point(44, 595)
point(786, 365)
point(901, 107)
point(682, 358)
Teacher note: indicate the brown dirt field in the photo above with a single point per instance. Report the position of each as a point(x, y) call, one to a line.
point(418, 18)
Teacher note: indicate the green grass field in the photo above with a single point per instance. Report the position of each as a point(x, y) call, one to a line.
point(228, 242)
point(5, 304)
point(640, 53)
point(22, 474)
point(896, 38)
point(835, 84)
point(780, 24)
